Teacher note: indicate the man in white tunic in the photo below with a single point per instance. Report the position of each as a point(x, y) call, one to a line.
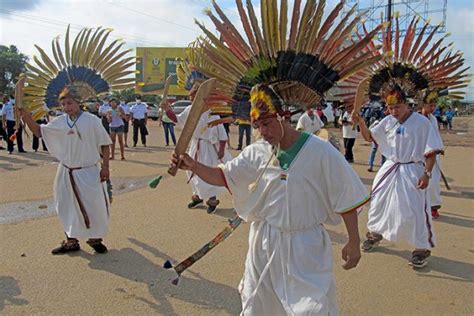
point(287, 185)
point(208, 146)
point(309, 122)
point(78, 140)
point(434, 188)
point(399, 209)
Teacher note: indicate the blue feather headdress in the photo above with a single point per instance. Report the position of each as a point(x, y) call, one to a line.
point(91, 66)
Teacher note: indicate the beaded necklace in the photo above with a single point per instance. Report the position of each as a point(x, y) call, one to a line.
point(73, 124)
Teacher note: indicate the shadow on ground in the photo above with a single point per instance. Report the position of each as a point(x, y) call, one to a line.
point(453, 270)
point(457, 220)
point(130, 264)
point(9, 290)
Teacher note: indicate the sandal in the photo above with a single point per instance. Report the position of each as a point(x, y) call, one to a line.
point(373, 239)
point(195, 201)
point(419, 258)
point(66, 246)
point(97, 245)
point(212, 205)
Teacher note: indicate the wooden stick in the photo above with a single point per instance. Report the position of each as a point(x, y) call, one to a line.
point(360, 97)
point(444, 179)
point(198, 255)
point(192, 120)
point(166, 89)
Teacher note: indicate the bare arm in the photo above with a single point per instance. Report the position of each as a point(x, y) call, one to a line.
point(358, 102)
point(429, 163)
point(211, 175)
point(363, 128)
point(424, 179)
point(351, 251)
point(32, 125)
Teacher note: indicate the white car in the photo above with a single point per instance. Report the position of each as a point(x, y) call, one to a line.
point(152, 111)
point(180, 105)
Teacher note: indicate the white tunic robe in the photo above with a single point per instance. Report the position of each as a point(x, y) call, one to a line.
point(308, 124)
point(398, 210)
point(434, 187)
point(289, 265)
point(203, 147)
point(79, 147)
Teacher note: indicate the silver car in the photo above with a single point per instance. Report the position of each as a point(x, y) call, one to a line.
point(180, 105)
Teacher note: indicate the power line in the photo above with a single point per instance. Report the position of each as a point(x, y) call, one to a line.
point(152, 16)
point(207, 5)
point(73, 26)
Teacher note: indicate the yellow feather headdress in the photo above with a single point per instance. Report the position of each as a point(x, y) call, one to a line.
point(91, 66)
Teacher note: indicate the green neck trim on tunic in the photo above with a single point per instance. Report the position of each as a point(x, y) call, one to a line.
point(286, 157)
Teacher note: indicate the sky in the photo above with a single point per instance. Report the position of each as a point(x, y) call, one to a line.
point(169, 23)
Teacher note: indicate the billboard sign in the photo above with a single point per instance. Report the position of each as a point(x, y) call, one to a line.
point(154, 65)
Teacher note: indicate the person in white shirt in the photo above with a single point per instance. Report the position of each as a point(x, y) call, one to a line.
point(126, 120)
point(309, 122)
point(103, 110)
point(399, 207)
point(207, 146)
point(337, 115)
point(434, 188)
point(349, 135)
point(80, 144)
point(289, 186)
point(3, 132)
point(139, 117)
point(8, 121)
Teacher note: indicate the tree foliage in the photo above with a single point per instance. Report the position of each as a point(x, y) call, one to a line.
point(12, 63)
point(444, 103)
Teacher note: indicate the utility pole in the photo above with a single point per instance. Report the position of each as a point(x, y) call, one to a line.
point(389, 10)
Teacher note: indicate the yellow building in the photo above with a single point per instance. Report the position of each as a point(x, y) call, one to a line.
point(154, 65)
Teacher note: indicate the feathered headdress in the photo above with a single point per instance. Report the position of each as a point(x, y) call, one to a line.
point(90, 68)
point(421, 68)
point(188, 73)
point(300, 63)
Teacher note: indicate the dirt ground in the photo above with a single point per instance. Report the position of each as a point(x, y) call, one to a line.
point(150, 226)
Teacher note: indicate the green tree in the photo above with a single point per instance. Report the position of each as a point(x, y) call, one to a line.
point(128, 95)
point(12, 63)
point(444, 103)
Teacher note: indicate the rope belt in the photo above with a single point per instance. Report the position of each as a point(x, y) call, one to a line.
point(77, 196)
point(391, 170)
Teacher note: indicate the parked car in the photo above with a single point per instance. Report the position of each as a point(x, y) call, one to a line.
point(180, 105)
point(152, 110)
